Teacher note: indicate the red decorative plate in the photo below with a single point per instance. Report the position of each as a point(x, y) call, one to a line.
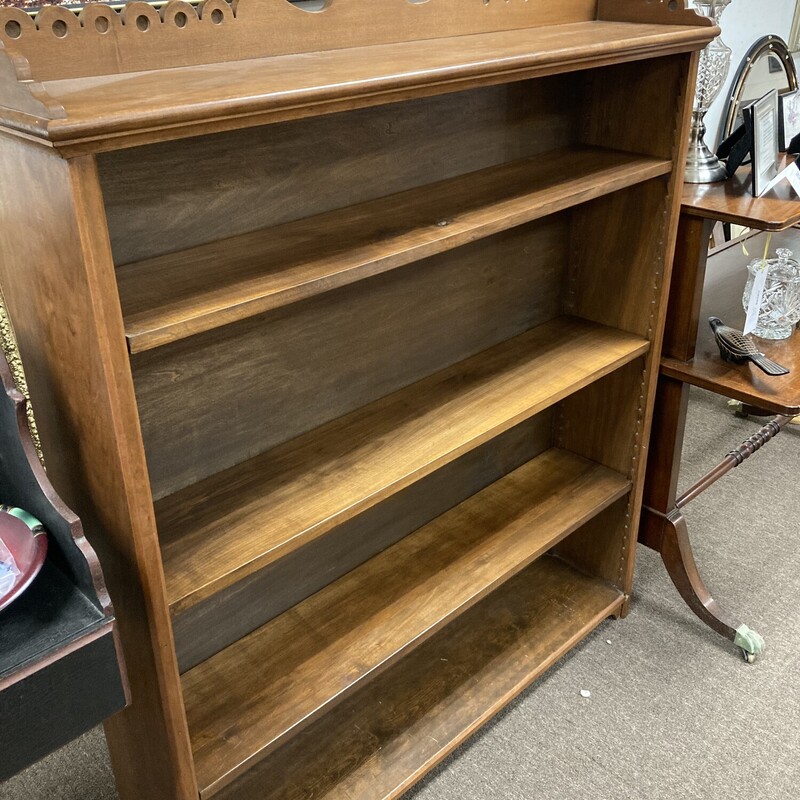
point(23, 547)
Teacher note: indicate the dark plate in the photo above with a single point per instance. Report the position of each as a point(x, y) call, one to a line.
point(23, 536)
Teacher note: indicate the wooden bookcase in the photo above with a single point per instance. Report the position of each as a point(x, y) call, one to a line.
point(365, 305)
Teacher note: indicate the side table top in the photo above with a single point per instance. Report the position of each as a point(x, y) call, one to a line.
point(722, 297)
point(732, 201)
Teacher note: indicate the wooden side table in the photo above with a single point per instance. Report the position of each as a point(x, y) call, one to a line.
point(691, 358)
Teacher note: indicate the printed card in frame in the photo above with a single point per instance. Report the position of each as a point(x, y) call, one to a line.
point(763, 116)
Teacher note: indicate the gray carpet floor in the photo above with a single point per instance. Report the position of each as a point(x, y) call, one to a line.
point(674, 711)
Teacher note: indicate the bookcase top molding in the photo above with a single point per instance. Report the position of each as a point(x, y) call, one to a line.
point(61, 70)
point(99, 40)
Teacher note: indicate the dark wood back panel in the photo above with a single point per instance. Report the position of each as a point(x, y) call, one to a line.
point(166, 197)
point(217, 399)
point(649, 127)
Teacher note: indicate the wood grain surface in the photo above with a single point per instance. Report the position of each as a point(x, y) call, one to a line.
point(109, 111)
point(59, 286)
point(196, 290)
point(251, 29)
point(617, 270)
point(272, 433)
point(225, 528)
point(608, 98)
point(173, 196)
point(600, 423)
point(315, 654)
point(686, 287)
point(625, 241)
point(384, 738)
point(212, 625)
point(732, 201)
point(683, 99)
point(215, 400)
point(665, 11)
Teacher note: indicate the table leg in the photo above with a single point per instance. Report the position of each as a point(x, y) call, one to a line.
point(663, 526)
point(676, 552)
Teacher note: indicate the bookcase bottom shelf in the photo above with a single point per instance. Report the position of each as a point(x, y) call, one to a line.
point(247, 701)
point(387, 735)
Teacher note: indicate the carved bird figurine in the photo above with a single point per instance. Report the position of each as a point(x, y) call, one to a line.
point(736, 347)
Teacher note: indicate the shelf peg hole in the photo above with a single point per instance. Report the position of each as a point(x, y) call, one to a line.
point(102, 24)
point(60, 28)
point(217, 16)
point(181, 19)
point(13, 29)
point(142, 23)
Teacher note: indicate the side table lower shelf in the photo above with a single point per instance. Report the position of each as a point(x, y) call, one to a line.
point(722, 297)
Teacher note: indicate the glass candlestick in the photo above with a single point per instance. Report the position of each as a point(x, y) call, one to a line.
point(702, 166)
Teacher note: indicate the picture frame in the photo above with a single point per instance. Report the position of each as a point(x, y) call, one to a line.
point(788, 119)
point(762, 119)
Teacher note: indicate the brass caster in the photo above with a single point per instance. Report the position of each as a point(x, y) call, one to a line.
point(738, 409)
point(749, 642)
point(750, 658)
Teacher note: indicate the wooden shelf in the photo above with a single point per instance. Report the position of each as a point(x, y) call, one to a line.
point(237, 522)
point(173, 296)
point(104, 112)
point(386, 736)
point(297, 666)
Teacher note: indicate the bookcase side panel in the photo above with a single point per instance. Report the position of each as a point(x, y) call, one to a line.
point(57, 279)
point(621, 278)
